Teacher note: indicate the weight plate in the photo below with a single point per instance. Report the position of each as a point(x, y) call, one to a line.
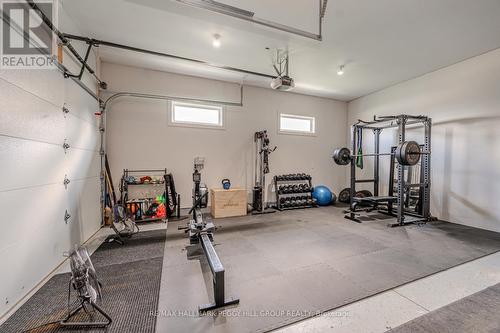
point(366, 193)
point(360, 194)
point(408, 153)
point(345, 195)
point(342, 156)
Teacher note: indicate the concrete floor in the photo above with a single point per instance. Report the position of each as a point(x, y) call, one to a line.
point(383, 311)
point(389, 309)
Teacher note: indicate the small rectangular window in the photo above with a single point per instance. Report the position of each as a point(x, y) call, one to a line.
point(192, 114)
point(293, 124)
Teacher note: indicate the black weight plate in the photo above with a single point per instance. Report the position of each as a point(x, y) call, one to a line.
point(359, 195)
point(345, 195)
point(366, 193)
point(342, 156)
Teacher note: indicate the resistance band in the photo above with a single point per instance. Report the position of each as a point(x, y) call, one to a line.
point(359, 158)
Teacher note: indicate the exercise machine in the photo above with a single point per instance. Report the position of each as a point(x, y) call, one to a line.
point(200, 190)
point(201, 232)
point(262, 152)
point(409, 156)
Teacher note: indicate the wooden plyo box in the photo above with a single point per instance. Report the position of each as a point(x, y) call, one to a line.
point(226, 203)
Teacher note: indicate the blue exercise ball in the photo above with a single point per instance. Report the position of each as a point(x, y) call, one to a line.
point(323, 195)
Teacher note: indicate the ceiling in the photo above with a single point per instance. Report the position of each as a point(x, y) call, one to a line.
point(380, 42)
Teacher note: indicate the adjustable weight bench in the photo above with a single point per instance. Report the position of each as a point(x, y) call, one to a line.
point(373, 202)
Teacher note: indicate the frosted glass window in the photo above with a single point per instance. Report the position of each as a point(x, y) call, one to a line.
point(298, 124)
point(197, 114)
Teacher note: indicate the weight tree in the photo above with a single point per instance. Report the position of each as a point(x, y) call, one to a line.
point(407, 153)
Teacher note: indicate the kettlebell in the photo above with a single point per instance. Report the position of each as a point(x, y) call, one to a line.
point(226, 184)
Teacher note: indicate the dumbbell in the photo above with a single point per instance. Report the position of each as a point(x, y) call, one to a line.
point(286, 202)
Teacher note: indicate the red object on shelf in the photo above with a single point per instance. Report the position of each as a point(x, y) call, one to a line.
point(146, 179)
point(161, 212)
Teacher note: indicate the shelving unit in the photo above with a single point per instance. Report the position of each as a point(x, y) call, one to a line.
point(303, 189)
point(161, 183)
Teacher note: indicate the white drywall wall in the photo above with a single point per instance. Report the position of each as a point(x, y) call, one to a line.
point(138, 135)
point(33, 199)
point(464, 102)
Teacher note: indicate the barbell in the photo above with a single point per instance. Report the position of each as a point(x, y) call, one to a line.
point(406, 153)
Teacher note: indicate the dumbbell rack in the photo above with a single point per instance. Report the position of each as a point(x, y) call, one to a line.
point(302, 179)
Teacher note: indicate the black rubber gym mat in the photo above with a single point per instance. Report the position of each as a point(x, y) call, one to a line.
point(477, 313)
point(292, 265)
point(130, 275)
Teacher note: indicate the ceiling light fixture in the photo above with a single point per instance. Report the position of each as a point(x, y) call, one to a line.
point(341, 70)
point(216, 41)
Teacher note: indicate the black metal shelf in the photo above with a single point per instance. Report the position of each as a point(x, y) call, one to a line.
point(307, 180)
point(299, 192)
point(297, 207)
point(166, 186)
point(148, 220)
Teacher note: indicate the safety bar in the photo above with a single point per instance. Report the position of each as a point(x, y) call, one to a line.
point(365, 180)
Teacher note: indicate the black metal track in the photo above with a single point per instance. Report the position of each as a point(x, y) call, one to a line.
point(97, 42)
point(65, 42)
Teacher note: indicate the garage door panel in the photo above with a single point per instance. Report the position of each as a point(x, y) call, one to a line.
point(80, 104)
point(34, 224)
point(25, 115)
point(47, 84)
point(28, 163)
point(84, 204)
point(82, 134)
point(80, 164)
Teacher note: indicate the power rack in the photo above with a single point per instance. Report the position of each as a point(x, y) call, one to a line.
point(400, 186)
